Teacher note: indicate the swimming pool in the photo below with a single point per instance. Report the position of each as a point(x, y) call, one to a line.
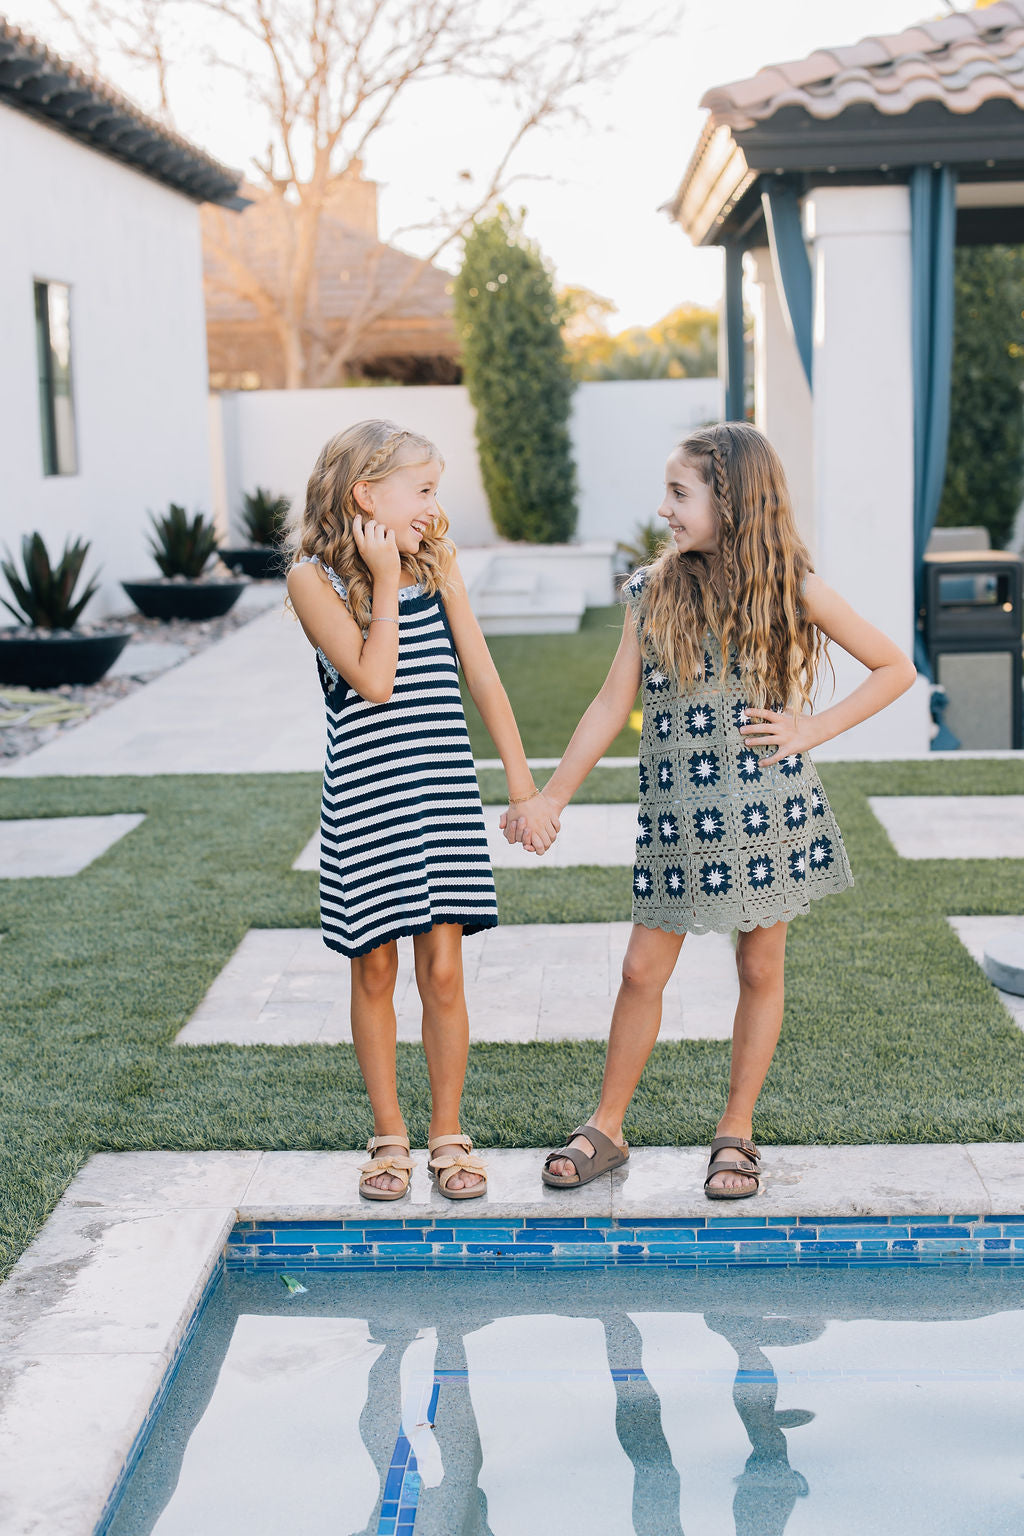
point(704, 1376)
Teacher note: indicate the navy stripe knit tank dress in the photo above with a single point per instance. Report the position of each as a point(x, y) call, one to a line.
point(402, 838)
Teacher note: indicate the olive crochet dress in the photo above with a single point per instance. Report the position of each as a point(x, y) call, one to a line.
point(723, 842)
point(402, 838)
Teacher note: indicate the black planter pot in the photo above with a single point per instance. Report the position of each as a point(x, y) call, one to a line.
point(260, 562)
point(51, 660)
point(196, 600)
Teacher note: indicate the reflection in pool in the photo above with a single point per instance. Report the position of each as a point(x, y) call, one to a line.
point(604, 1402)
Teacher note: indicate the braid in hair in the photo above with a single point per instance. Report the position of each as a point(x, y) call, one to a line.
point(385, 452)
point(726, 544)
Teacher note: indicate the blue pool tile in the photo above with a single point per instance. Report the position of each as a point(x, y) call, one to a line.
point(904, 1245)
point(406, 1250)
point(631, 1250)
point(734, 1232)
point(814, 1246)
point(991, 1243)
point(736, 1221)
point(286, 1250)
point(559, 1234)
point(887, 1234)
point(670, 1235)
point(639, 1222)
point(389, 1509)
point(484, 1232)
point(947, 1231)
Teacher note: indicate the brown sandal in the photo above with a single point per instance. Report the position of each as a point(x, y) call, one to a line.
point(607, 1155)
point(445, 1168)
point(750, 1170)
point(398, 1167)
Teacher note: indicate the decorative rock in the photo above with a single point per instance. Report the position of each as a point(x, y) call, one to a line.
point(1004, 962)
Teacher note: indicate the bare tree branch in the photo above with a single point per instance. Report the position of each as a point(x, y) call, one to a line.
point(330, 75)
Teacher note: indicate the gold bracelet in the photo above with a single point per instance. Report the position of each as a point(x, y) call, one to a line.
point(380, 618)
point(522, 799)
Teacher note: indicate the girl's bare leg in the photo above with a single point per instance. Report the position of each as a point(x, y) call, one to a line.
point(445, 1032)
point(374, 1029)
point(760, 961)
point(651, 956)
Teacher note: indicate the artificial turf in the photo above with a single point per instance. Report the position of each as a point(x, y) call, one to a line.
point(892, 1033)
point(550, 680)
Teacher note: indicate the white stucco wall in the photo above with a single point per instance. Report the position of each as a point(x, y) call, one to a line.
point(622, 432)
point(129, 249)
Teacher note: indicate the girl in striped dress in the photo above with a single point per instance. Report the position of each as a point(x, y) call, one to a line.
point(377, 590)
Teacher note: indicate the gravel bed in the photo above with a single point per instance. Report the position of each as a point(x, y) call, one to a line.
point(21, 736)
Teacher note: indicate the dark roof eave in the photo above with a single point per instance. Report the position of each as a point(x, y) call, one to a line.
point(725, 164)
point(43, 86)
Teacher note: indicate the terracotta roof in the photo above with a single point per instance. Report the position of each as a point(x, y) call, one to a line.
point(960, 61)
point(37, 81)
point(352, 267)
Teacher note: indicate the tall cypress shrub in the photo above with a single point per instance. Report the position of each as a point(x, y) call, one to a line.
point(518, 376)
point(985, 463)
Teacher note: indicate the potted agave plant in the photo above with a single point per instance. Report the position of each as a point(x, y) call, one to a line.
point(44, 649)
point(183, 548)
point(265, 520)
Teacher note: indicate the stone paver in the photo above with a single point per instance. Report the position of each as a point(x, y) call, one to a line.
point(523, 982)
point(953, 826)
point(975, 934)
point(249, 704)
point(54, 846)
point(148, 658)
point(590, 834)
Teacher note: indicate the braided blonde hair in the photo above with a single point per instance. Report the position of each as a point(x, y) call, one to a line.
point(748, 592)
point(369, 450)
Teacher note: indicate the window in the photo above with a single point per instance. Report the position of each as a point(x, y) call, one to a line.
point(56, 407)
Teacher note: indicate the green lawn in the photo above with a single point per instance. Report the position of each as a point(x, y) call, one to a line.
point(550, 680)
point(892, 1033)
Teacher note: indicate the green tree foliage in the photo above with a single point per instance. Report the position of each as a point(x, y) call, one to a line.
point(517, 373)
point(985, 465)
point(682, 345)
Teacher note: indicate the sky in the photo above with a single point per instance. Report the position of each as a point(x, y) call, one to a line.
point(594, 189)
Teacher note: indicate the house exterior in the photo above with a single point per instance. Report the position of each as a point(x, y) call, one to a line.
point(837, 186)
point(103, 376)
point(355, 274)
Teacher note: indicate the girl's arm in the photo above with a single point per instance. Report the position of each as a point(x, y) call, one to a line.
point(490, 698)
point(369, 665)
point(602, 722)
point(892, 673)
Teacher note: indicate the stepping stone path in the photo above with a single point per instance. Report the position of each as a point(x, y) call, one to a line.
point(523, 982)
point(58, 845)
point(980, 934)
point(953, 826)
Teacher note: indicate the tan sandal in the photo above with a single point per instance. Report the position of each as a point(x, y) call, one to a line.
point(446, 1168)
point(398, 1167)
point(749, 1169)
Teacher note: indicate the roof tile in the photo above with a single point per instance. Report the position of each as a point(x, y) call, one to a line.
point(961, 61)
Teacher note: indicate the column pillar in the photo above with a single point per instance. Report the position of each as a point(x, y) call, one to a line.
point(863, 438)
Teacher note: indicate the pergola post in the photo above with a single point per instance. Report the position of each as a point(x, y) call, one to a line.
point(782, 399)
point(863, 429)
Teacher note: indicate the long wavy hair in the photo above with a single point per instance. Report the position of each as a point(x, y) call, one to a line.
point(747, 593)
point(369, 450)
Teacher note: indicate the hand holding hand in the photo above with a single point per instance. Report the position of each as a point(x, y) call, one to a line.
point(377, 545)
point(786, 732)
point(535, 824)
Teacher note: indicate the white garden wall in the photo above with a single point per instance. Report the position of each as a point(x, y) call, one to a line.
point(622, 432)
point(130, 250)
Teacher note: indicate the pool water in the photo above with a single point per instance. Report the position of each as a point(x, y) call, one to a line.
point(599, 1402)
